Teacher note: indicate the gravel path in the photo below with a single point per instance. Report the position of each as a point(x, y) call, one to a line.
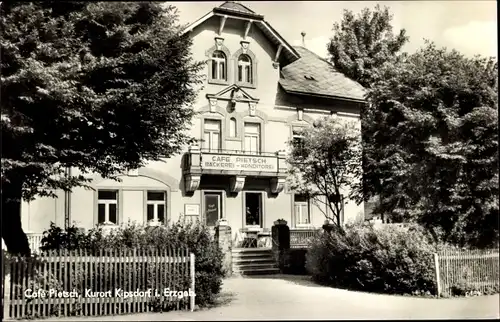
point(295, 297)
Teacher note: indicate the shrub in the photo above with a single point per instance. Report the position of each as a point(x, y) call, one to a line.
point(193, 236)
point(386, 259)
point(464, 288)
point(57, 238)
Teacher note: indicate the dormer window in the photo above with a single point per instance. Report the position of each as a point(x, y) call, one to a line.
point(219, 64)
point(245, 69)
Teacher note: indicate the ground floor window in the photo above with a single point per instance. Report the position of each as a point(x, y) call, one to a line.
point(253, 209)
point(302, 213)
point(107, 206)
point(155, 206)
point(213, 207)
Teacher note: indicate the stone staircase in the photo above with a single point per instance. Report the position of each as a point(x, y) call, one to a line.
point(253, 261)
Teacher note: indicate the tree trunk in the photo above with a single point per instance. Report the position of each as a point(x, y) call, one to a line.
point(12, 232)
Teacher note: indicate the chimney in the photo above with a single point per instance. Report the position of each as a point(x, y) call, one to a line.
point(303, 39)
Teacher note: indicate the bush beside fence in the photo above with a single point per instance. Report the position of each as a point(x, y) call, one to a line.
point(99, 251)
point(194, 236)
point(94, 284)
point(386, 260)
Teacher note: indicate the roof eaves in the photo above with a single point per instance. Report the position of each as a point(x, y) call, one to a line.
point(345, 98)
point(282, 41)
point(198, 22)
point(238, 13)
point(233, 5)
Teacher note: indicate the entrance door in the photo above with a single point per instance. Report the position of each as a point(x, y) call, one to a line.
point(213, 208)
point(253, 209)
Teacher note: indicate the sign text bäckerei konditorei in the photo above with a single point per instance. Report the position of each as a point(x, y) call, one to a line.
point(239, 163)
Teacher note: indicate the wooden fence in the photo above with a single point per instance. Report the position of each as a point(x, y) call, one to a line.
point(299, 238)
point(107, 282)
point(473, 269)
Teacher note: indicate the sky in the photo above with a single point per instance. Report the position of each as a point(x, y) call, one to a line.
point(467, 26)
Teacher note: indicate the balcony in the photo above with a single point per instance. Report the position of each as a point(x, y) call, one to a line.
point(236, 164)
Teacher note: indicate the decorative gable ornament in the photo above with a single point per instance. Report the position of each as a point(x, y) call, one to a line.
point(235, 96)
point(232, 94)
point(213, 104)
point(244, 46)
point(219, 42)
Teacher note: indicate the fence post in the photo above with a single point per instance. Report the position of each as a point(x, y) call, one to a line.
point(438, 278)
point(223, 238)
point(191, 271)
point(281, 244)
point(6, 287)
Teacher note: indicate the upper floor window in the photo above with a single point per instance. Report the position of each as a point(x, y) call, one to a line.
point(155, 206)
point(107, 206)
point(219, 65)
point(232, 127)
point(252, 138)
point(301, 210)
point(245, 69)
point(297, 136)
point(212, 135)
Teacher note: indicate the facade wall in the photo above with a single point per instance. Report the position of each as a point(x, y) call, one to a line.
point(276, 112)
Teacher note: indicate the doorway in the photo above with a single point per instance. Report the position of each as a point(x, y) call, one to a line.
point(213, 208)
point(253, 209)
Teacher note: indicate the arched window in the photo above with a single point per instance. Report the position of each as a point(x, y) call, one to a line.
point(244, 69)
point(219, 65)
point(232, 127)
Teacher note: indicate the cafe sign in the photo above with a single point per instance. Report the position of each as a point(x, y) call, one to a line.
point(239, 163)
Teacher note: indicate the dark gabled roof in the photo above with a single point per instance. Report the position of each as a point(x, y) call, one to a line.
point(235, 6)
point(314, 75)
point(237, 9)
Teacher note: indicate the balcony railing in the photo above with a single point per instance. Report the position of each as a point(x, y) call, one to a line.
point(238, 152)
point(301, 238)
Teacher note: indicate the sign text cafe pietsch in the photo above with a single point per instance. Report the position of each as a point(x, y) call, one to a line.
point(235, 162)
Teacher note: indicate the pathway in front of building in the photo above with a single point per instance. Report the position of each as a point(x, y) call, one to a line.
point(295, 297)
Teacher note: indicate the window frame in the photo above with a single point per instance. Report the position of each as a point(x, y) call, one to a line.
point(253, 68)
point(298, 136)
point(235, 134)
point(106, 203)
point(244, 69)
point(210, 133)
point(229, 68)
point(155, 204)
point(218, 62)
point(259, 138)
point(308, 207)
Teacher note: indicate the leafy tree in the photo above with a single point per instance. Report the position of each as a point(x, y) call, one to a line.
point(361, 44)
point(326, 164)
point(433, 145)
point(100, 87)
